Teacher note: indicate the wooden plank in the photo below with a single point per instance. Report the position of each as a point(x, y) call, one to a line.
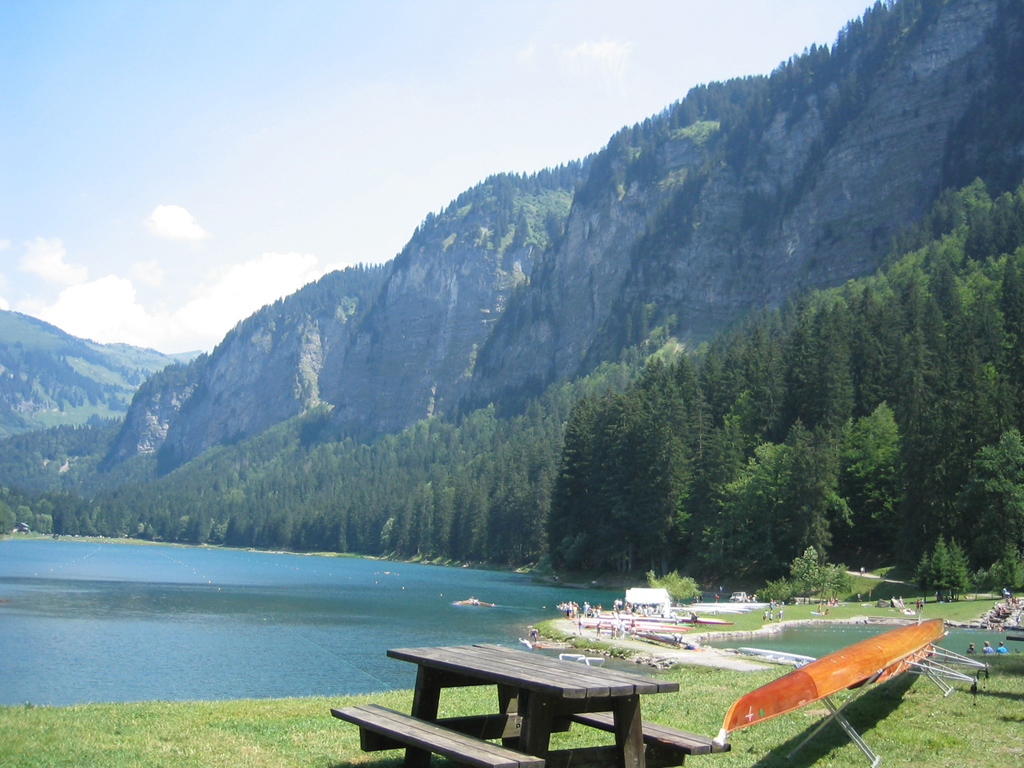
point(538, 672)
point(483, 662)
point(485, 726)
point(584, 757)
point(629, 736)
point(690, 743)
point(505, 726)
point(641, 683)
point(406, 730)
point(534, 672)
point(557, 682)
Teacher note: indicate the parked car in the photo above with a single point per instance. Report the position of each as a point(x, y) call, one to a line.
point(739, 597)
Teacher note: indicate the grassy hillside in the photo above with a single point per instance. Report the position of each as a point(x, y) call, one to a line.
point(49, 378)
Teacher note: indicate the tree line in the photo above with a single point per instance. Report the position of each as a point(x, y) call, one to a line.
point(865, 421)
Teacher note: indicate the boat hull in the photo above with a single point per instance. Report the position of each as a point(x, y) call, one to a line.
point(871, 660)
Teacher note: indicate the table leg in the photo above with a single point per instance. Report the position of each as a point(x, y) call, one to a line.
point(508, 704)
point(427, 694)
point(538, 717)
point(629, 731)
point(425, 702)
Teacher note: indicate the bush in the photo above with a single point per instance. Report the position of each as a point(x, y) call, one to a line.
point(780, 591)
point(680, 588)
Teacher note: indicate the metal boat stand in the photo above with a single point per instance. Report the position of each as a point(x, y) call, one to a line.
point(837, 715)
point(939, 672)
point(929, 665)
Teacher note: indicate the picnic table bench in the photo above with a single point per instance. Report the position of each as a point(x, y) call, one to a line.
point(537, 696)
point(383, 728)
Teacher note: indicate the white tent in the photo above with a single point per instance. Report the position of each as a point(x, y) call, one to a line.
point(649, 596)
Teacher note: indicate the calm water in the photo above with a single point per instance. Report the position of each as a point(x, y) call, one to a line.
point(87, 621)
point(818, 640)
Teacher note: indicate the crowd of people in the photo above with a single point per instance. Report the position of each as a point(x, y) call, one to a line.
point(1006, 614)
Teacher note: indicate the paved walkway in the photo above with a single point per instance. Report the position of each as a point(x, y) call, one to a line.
point(663, 656)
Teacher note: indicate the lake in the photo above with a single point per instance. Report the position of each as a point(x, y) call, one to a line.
point(85, 621)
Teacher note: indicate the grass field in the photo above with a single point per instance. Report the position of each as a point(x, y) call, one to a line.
point(906, 721)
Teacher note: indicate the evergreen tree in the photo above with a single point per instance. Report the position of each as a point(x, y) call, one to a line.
point(993, 498)
point(870, 482)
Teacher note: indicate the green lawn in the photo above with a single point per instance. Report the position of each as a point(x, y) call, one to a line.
point(907, 721)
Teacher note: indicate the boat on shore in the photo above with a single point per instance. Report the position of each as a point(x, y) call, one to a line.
point(873, 659)
point(781, 656)
point(674, 639)
point(551, 644)
point(634, 623)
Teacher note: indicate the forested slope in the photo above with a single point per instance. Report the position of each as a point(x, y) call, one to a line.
point(865, 421)
point(49, 377)
point(728, 201)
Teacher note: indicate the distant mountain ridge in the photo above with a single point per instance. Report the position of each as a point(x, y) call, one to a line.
point(733, 199)
point(51, 378)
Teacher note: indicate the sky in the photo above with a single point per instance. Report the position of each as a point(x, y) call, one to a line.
point(167, 167)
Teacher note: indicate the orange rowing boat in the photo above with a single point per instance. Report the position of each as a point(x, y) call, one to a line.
point(871, 660)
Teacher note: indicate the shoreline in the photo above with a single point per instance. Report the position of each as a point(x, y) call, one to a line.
point(663, 657)
point(659, 657)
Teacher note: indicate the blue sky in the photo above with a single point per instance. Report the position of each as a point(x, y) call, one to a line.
point(169, 167)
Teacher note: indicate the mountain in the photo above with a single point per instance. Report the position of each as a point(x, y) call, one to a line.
point(746, 193)
point(267, 369)
point(735, 198)
point(50, 378)
point(383, 346)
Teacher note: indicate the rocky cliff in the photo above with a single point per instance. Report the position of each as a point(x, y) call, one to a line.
point(831, 158)
point(734, 198)
point(381, 347)
point(414, 354)
point(266, 370)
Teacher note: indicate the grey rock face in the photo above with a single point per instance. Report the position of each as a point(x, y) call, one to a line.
point(838, 214)
point(151, 414)
point(416, 350)
point(488, 299)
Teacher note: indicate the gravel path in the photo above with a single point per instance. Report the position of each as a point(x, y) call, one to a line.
point(663, 656)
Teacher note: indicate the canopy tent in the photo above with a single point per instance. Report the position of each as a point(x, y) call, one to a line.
point(649, 596)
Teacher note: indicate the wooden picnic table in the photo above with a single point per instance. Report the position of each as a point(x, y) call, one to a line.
point(539, 695)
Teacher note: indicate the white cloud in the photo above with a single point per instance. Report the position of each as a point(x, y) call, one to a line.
point(176, 223)
point(108, 310)
point(147, 272)
point(608, 59)
point(235, 293)
point(4, 304)
point(45, 257)
point(103, 310)
point(4, 245)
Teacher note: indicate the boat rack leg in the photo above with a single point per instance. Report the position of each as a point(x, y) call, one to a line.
point(855, 737)
point(939, 672)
